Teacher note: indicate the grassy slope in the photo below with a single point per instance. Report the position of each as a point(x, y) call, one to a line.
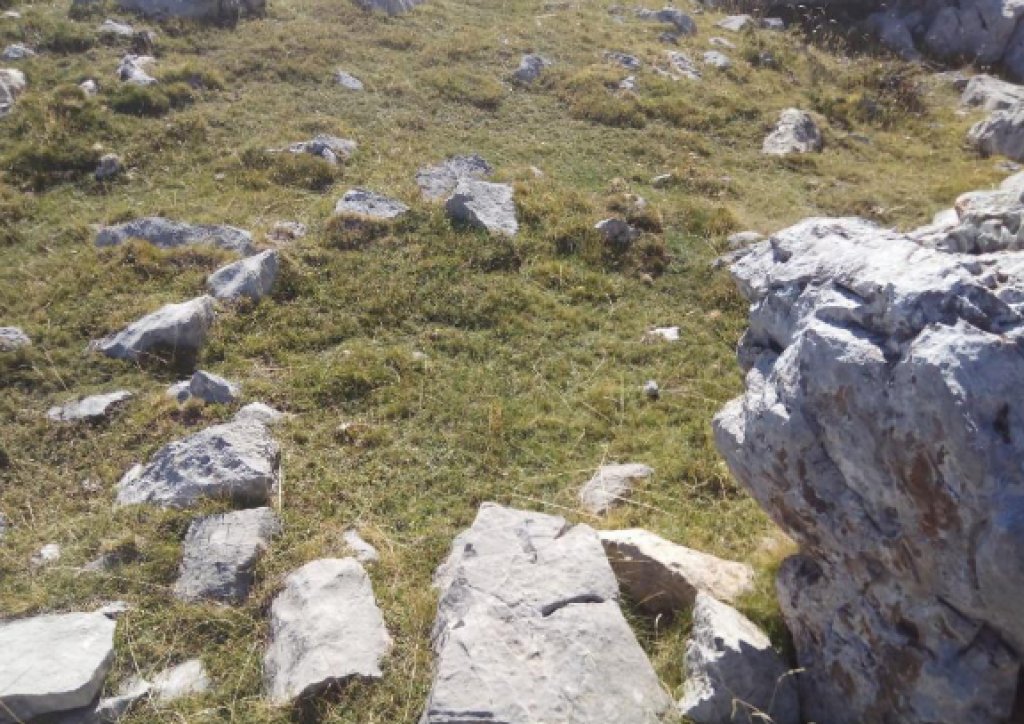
point(535, 358)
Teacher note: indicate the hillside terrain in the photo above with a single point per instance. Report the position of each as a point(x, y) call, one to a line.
point(425, 367)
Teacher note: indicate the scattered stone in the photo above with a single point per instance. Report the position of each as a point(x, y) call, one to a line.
point(732, 672)
point(484, 205)
point(17, 51)
point(438, 182)
point(391, 7)
point(238, 460)
point(325, 629)
point(668, 38)
point(12, 338)
point(651, 389)
point(221, 552)
point(530, 68)
point(611, 485)
point(764, 59)
point(662, 334)
point(212, 389)
point(663, 180)
point(214, 10)
point(617, 232)
point(359, 202)
point(717, 60)
point(10, 15)
point(773, 23)
point(260, 413)
point(287, 231)
point(348, 81)
point(736, 23)
point(364, 552)
point(175, 330)
point(991, 93)
point(12, 85)
point(116, 29)
point(186, 679)
point(167, 234)
point(892, 32)
point(89, 87)
point(49, 553)
point(1001, 133)
point(330, 148)
point(108, 167)
point(94, 407)
point(722, 43)
point(53, 663)
point(684, 23)
point(1008, 167)
point(680, 65)
point(795, 132)
point(627, 61)
point(133, 70)
point(743, 239)
point(664, 578)
point(5, 526)
point(252, 278)
point(628, 83)
point(529, 630)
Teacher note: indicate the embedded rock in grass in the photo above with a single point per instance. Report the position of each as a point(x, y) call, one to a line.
point(680, 65)
point(115, 29)
point(627, 61)
point(12, 85)
point(53, 663)
point(664, 578)
point(12, 338)
point(795, 132)
point(529, 630)
point(109, 166)
point(722, 43)
point(348, 81)
point(717, 60)
point(991, 93)
point(1001, 133)
point(260, 413)
point(364, 552)
point(391, 7)
point(93, 407)
point(437, 182)
point(221, 552)
point(89, 87)
point(213, 10)
point(610, 485)
point(662, 334)
point(530, 68)
point(236, 460)
point(733, 676)
point(252, 278)
point(773, 23)
point(177, 331)
point(17, 51)
point(359, 202)
point(49, 553)
point(484, 205)
point(880, 430)
point(617, 232)
point(186, 679)
point(167, 234)
point(207, 387)
point(742, 239)
point(684, 23)
point(736, 23)
point(287, 231)
point(891, 31)
point(133, 70)
point(325, 630)
point(330, 148)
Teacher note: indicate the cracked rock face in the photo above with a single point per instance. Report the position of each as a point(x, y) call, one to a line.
point(881, 430)
point(529, 630)
point(175, 331)
point(991, 93)
point(167, 234)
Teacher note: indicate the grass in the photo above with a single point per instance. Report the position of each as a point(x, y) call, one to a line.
point(534, 346)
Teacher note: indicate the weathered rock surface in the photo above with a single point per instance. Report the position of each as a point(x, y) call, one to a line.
point(325, 629)
point(330, 148)
point(12, 338)
point(210, 388)
point(530, 68)
point(115, 29)
point(252, 278)
point(360, 202)
point(681, 65)
point(795, 132)
point(981, 222)
point(287, 231)
point(732, 673)
point(663, 577)
point(108, 167)
point(220, 553)
point(363, 551)
point(391, 7)
point(194, 9)
point(167, 234)
point(175, 330)
point(627, 61)
point(717, 60)
point(736, 23)
point(438, 182)
point(237, 460)
point(133, 70)
point(53, 663)
point(610, 485)
point(260, 413)
point(991, 93)
point(529, 630)
point(17, 51)
point(12, 85)
point(93, 407)
point(880, 431)
point(683, 23)
point(1001, 133)
point(348, 81)
point(484, 205)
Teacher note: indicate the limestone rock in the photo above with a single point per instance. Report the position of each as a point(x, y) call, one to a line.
point(133, 70)
point(211, 10)
point(484, 205)
point(743, 239)
point(115, 29)
point(722, 43)
point(17, 51)
point(1001, 133)
point(664, 578)
point(175, 330)
point(736, 23)
point(991, 93)
point(208, 387)
point(93, 407)
point(109, 166)
point(530, 68)
point(391, 7)
point(12, 338)
point(364, 552)
point(167, 234)
point(717, 60)
point(188, 678)
point(627, 61)
point(348, 81)
point(287, 231)
point(795, 132)
point(438, 182)
point(325, 629)
point(680, 65)
point(617, 232)
point(237, 460)
point(529, 630)
point(49, 553)
point(261, 413)
point(360, 202)
point(610, 485)
point(733, 674)
point(252, 278)
point(683, 23)
point(12, 85)
point(330, 148)
point(53, 663)
point(662, 334)
point(89, 87)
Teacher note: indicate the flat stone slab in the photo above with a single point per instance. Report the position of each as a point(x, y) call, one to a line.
point(252, 278)
point(373, 205)
point(167, 234)
point(529, 630)
point(238, 460)
point(484, 205)
point(53, 663)
point(438, 182)
point(220, 553)
point(325, 629)
point(93, 407)
point(610, 485)
point(664, 578)
point(175, 330)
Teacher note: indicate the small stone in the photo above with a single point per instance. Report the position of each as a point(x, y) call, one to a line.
point(611, 485)
point(115, 29)
point(89, 87)
point(1001, 133)
point(10, 15)
point(348, 81)
point(681, 65)
point(115, 609)
point(360, 202)
point(175, 330)
point(628, 83)
point(437, 182)
point(364, 552)
point(717, 60)
point(484, 205)
point(212, 388)
point(133, 70)
point(167, 234)
point(668, 38)
point(991, 94)
point(287, 231)
point(330, 148)
point(736, 23)
point(683, 23)
point(663, 334)
point(773, 23)
point(12, 338)
point(94, 407)
point(49, 553)
point(252, 278)
point(795, 132)
point(663, 180)
point(108, 167)
point(743, 239)
point(17, 51)
point(12, 85)
point(629, 62)
point(260, 413)
point(652, 390)
point(186, 679)
point(617, 232)
point(530, 68)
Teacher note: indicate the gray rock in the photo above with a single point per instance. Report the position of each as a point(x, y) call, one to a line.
point(287, 231)
point(484, 205)
point(220, 554)
point(665, 578)
point(12, 85)
point(212, 388)
point(879, 428)
point(743, 239)
point(722, 43)
point(17, 51)
point(795, 132)
point(364, 552)
point(93, 407)
point(662, 334)
point(530, 68)
point(12, 338)
point(325, 630)
point(438, 182)
point(628, 83)
point(681, 65)
point(773, 23)
point(238, 460)
point(348, 81)
point(108, 167)
point(5, 526)
point(736, 23)
point(980, 30)
point(991, 93)
point(252, 278)
point(89, 87)
point(188, 678)
point(1001, 133)
point(369, 204)
point(259, 412)
point(115, 609)
point(212, 10)
point(53, 663)
point(133, 70)
point(627, 61)
point(732, 673)
point(610, 485)
point(175, 330)
point(167, 234)
point(180, 391)
point(652, 390)
point(391, 7)
point(529, 630)
point(683, 23)
point(330, 148)
point(115, 29)
point(49, 553)
point(892, 32)
point(717, 60)
point(617, 232)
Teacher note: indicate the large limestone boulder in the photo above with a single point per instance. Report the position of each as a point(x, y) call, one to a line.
point(238, 460)
point(175, 331)
point(53, 663)
point(251, 278)
point(879, 429)
point(167, 234)
point(1002, 133)
point(529, 630)
point(325, 630)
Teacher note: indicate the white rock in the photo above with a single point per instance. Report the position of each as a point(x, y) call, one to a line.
point(484, 205)
point(116, 29)
point(17, 51)
point(652, 390)
point(93, 407)
point(991, 93)
point(115, 609)
point(167, 234)
point(372, 205)
point(610, 485)
point(133, 69)
point(722, 43)
point(717, 60)
point(437, 182)
point(736, 23)
point(348, 81)
point(89, 87)
point(176, 330)
point(743, 239)
point(795, 132)
point(12, 85)
point(363, 551)
point(252, 278)
point(1001, 133)
point(330, 148)
point(186, 679)
point(663, 334)
point(12, 338)
point(49, 553)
